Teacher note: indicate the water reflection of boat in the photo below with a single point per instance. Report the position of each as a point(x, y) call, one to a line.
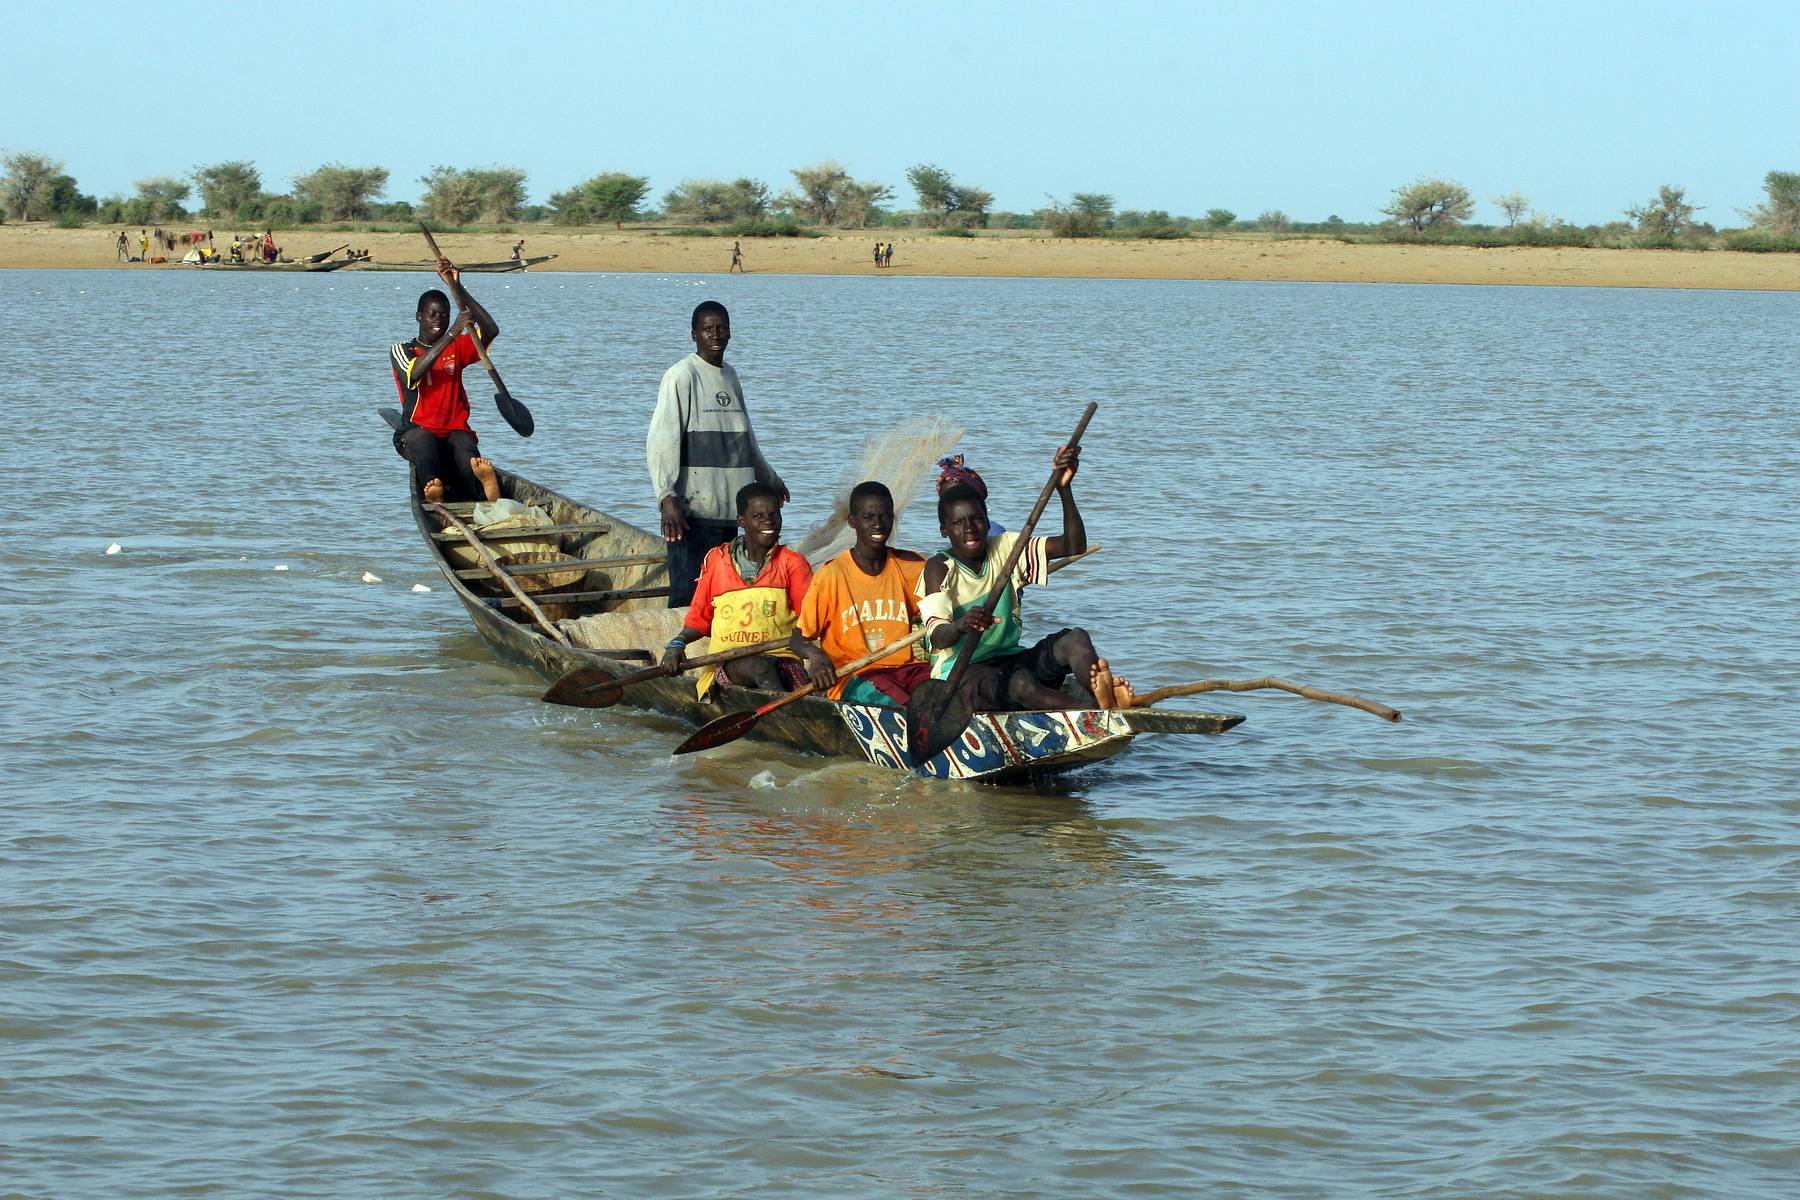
point(600, 585)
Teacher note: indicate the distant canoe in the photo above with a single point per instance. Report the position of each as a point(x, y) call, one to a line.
point(329, 265)
point(610, 601)
point(430, 268)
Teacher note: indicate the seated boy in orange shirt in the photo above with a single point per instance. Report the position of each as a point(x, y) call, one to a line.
point(860, 601)
point(749, 590)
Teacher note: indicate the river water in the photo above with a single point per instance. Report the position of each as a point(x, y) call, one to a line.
point(303, 894)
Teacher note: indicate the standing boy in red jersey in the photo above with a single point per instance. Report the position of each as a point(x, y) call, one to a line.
point(435, 436)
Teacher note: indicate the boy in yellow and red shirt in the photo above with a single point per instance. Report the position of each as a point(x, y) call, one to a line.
point(750, 590)
point(434, 435)
point(861, 601)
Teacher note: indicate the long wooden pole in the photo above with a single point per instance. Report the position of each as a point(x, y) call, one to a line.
point(1267, 681)
point(494, 568)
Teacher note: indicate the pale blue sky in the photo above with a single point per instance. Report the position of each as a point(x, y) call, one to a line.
point(1312, 108)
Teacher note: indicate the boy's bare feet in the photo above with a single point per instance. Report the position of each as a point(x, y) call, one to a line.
point(1124, 693)
point(433, 491)
point(484, 471)
point(1100, 682)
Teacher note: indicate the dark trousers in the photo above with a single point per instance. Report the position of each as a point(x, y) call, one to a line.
point(445, 458)
point(688, 555)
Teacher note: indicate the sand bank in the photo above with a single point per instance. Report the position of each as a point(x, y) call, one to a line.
point(1008, 254)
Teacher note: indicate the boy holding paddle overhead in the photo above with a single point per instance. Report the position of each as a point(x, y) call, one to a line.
point(1002, 675)
point(434, 435)
point(860, 601)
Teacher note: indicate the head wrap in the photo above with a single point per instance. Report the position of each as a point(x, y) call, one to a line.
point(954, 473)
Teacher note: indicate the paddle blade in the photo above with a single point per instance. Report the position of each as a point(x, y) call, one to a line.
point(514, 413)
point(935, 717)
point(728, 728)
point(585, 687)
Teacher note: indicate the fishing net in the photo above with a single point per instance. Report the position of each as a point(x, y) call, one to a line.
point(902, 458)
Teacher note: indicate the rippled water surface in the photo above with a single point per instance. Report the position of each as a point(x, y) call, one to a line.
point(303, 894)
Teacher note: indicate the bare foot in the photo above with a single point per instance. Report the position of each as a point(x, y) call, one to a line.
point(1100, 682)
point(484, 471)
point(1124, 693)
point(433, 491)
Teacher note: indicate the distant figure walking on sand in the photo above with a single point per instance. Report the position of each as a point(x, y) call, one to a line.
point(124, 247)
point(737, 258)
point(518, 256)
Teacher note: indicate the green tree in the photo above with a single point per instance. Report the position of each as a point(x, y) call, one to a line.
point(160, 198)
point(24, 189)
point(1087, 214)
point(462, 197)
point(229, 190)
point(1220, 218)
point(64, 199)
point(831, 197)
point(1275, 221)
point(936, 191)
point(1432, 203)
point(1780, 212)
point(613, 196)
point(1667, 215)
point(341, 193)
point(1513, 204)
point(714, 201)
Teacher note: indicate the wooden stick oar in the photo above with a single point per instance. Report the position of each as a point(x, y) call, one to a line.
point(494, 568)
point(596, 687)
point(1267, 681)
point(732, 726)
point(311, 258)
point(937, 713)
point(513, 412)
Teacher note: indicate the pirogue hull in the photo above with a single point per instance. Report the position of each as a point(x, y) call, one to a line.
point(615, 615)
point(484, 268)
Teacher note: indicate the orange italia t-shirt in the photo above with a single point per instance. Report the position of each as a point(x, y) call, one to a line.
point(850, 613)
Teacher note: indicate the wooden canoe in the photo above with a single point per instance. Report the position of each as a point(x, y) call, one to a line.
point(611, 605)
point(333, 264)
point(480, 268)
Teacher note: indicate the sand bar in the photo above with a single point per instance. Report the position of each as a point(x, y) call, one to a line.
point(1013, 253)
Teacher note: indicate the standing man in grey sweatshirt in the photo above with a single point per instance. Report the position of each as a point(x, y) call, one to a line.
point(701, 450)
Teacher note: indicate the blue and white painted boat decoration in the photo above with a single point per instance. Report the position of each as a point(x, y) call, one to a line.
point(995, 744)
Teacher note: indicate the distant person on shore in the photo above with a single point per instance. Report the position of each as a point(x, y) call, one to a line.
point(124, 247)
point(1003, 675)
point(737, 258)
point(878, 254)
point(750, 590)
point(701, 450)
point(518, 255)
point(434, 434)
point(269, 249)
point(887, 255)
point(144, 246)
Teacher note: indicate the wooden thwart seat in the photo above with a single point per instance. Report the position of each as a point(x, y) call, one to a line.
point(568, 564)
point(523, 531)
point(650, 593)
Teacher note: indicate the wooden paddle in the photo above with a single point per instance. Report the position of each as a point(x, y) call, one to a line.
point(1267, 681)
point(513, 412)
point(937, 712)
point(327, 254)
point(732, 726)
point(498, 572)
point(596, 687)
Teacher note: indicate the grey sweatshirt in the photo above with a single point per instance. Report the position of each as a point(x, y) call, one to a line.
point(701, 448)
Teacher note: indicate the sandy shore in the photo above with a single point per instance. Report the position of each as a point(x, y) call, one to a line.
point(1009, 254)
